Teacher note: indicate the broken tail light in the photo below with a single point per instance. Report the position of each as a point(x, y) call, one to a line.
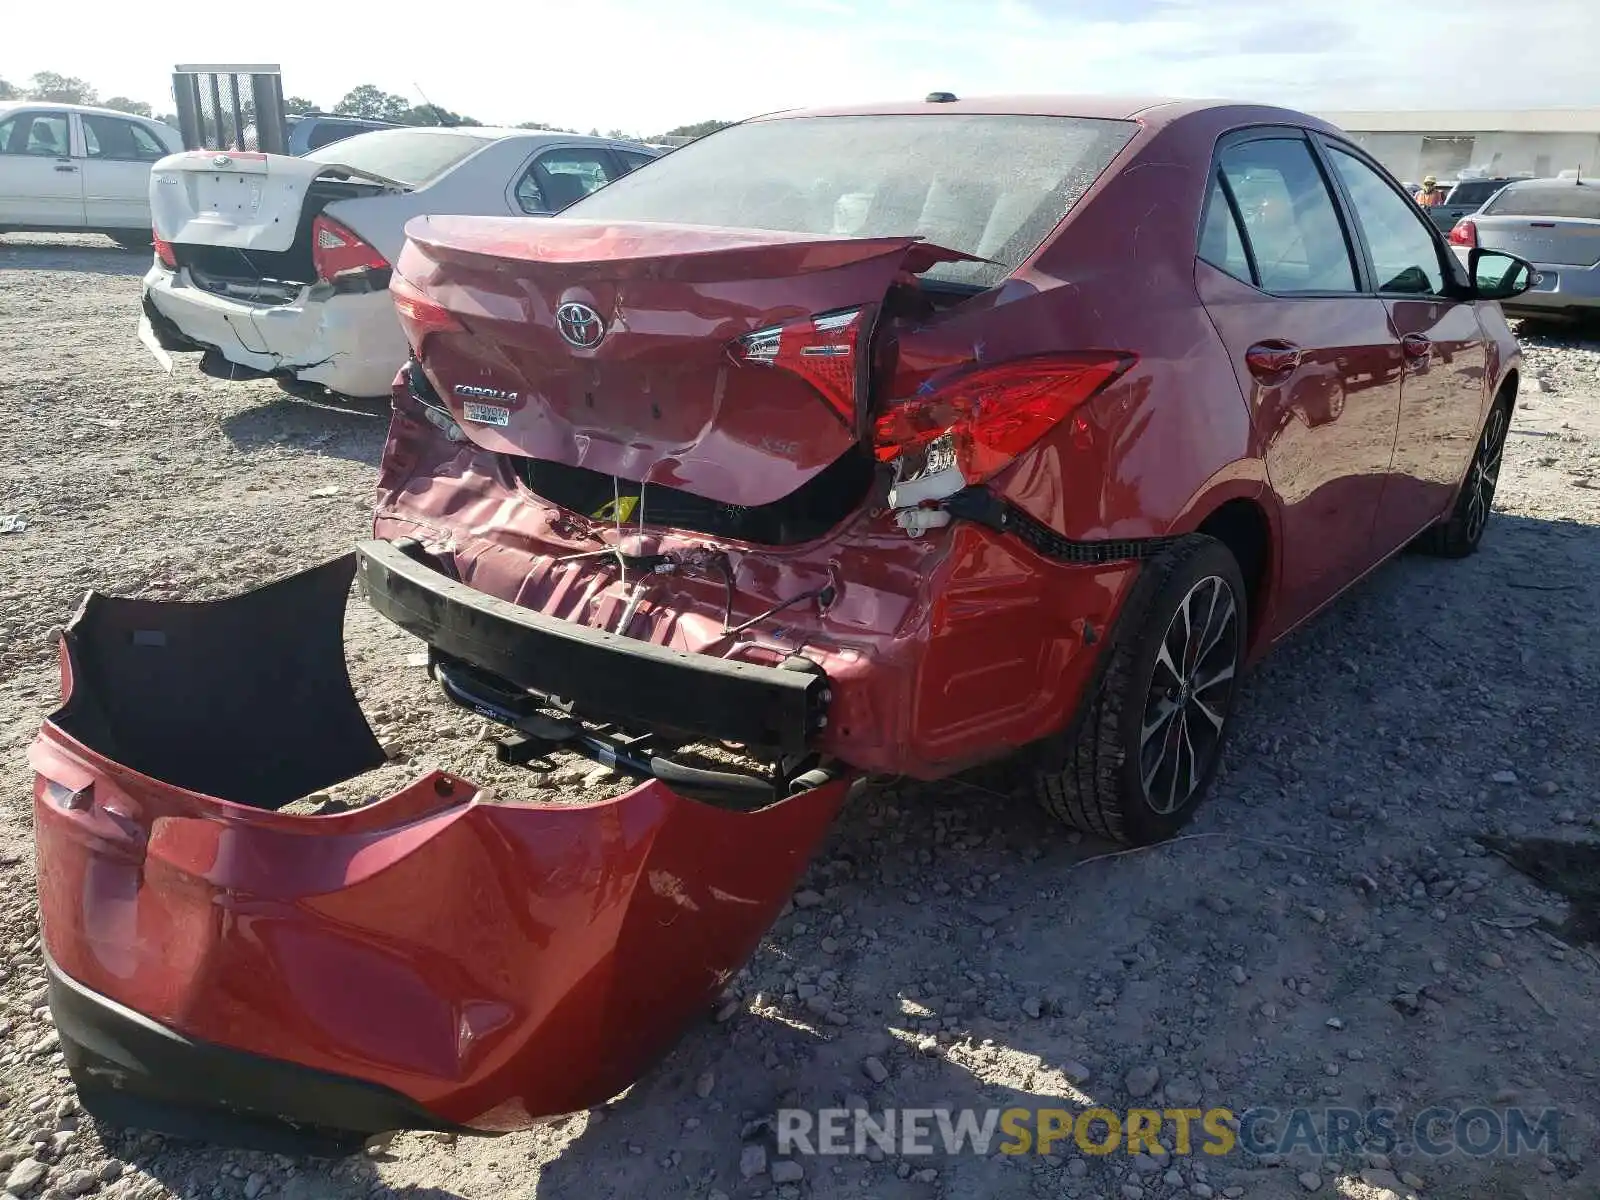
point(336, 250)
point(986, 416)
point(420, 314)
point(165, 255)
point(1464, 233)
point(820, 349)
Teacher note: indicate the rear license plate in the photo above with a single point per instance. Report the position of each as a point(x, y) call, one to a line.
point(487, 414)
point(226, 194)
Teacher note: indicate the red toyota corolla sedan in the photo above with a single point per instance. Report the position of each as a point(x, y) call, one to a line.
point(874, 441)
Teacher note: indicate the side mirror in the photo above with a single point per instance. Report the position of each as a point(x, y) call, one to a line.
point(1497, 276)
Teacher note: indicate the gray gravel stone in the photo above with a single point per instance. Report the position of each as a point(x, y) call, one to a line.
point(1142, 1080)
point(25, 1176)
point(753, 1161)
point(786, 1170)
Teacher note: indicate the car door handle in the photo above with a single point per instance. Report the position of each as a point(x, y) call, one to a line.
point(1272, 359)
point(1417, 347)
point(65, 167)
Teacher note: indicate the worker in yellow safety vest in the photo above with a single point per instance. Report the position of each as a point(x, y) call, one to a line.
point(1431, 192)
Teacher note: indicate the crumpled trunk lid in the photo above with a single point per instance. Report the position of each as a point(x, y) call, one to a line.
point(244, 200)
point(243, 217)
point(617, 347)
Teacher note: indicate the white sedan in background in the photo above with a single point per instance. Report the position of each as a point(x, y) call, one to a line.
point(69, 168)
point(279, 266)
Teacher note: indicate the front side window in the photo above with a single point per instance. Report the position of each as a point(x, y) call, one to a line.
point(108, 137)
point(993, 186)
point(1289, 217)
point(1405, 256)
point(43, 135)
point(559, 178)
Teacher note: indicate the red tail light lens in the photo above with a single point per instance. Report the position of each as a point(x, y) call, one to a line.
point(164, 252)
point(419, 313)
point(336, 251)
point(1464, 233)
point(821, 349)
point(989, 415)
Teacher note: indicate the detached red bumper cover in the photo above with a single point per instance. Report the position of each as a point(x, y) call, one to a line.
point(436, 959)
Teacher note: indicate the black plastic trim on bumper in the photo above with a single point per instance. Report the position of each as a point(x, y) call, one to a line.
point(168, 336)
point(981, 505)
point(614, 677)
point(134, 1072)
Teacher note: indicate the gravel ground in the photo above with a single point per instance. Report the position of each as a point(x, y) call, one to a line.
point(1329, 932)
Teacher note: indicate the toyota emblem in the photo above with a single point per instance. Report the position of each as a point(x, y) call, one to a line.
point(221, 160)
point(580, 325)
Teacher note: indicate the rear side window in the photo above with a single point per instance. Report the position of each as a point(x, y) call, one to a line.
point(109, 137)
point(1221, 243)
point(412, 157)
point(1547, 200)
point(1289, 217)
point(632, 160)
point(990, 185)
point(559, 178)
point(1405, 257)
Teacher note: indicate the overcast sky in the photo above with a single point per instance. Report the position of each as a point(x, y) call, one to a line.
point(647, 65)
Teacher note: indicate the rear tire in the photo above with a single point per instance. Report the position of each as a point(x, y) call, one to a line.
point(1459, 534)
point(1147, 747)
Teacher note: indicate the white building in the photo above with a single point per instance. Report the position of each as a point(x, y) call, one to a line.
point(1538, 141)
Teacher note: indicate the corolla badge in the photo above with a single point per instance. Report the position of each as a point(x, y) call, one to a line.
point(580, 325)
point(483, 393)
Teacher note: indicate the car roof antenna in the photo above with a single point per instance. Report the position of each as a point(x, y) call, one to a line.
point(438, 113)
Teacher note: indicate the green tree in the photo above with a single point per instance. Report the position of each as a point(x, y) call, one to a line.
point(697, 130)
point(294, 106)
point(545, 125)
point(9, 91)
point(61, 89)
point(372, 103)
point(122, 104)
point(433, 114)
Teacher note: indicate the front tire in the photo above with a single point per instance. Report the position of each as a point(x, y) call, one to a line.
point(1459, 534)
point(1148, 746)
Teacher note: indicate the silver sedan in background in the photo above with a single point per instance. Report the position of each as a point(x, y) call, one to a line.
point(1553, 224)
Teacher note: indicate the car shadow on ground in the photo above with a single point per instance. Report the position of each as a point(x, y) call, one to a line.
point(345, 428)
point(81, 254)
point(1073, 966)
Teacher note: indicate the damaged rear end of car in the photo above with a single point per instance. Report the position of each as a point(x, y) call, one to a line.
point(720, 506)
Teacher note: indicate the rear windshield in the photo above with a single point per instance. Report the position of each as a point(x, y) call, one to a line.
point(1547, 200)
point(1473, 193)
point(407, 156)
point(992, 186)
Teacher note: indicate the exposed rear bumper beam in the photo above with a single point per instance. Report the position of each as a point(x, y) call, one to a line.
point(648, 686)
